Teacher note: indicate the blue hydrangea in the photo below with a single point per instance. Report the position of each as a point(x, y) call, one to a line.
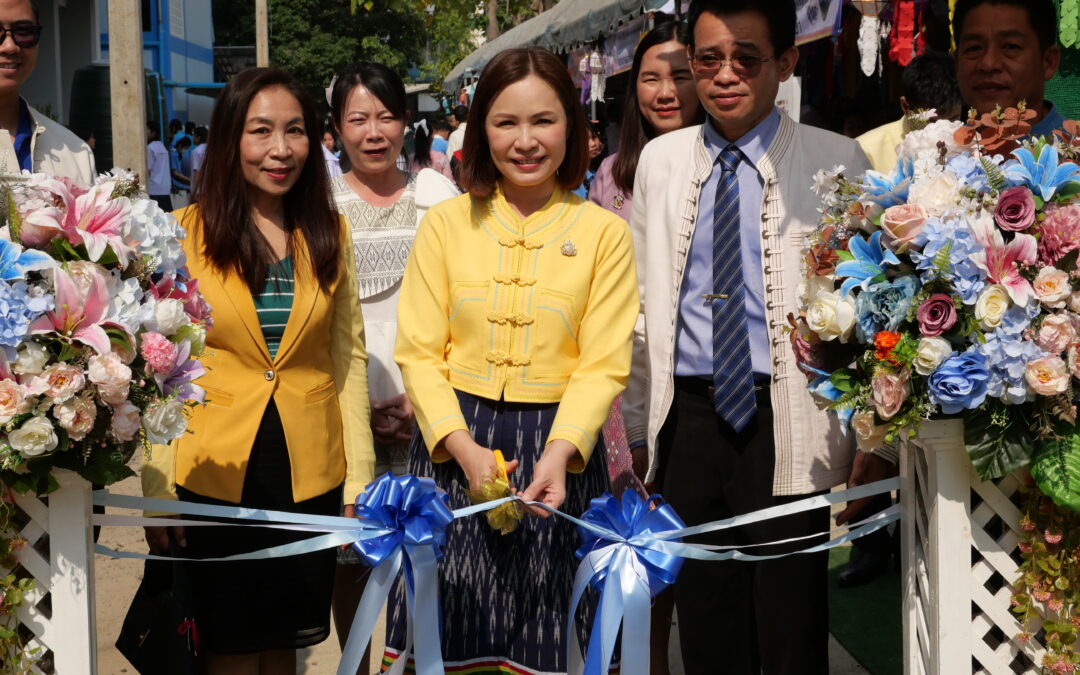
point(1007, 356)
point(969, 170)
point(965, 276)
point(959, 383)
point(883, 306)
point(18, 309)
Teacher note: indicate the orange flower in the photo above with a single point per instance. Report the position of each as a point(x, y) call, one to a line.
point(884, 342)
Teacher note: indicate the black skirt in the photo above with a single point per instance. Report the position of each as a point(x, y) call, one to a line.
point(505, 599)
point(252, 606)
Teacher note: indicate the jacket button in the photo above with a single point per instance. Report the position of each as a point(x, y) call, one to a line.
point(269, 375)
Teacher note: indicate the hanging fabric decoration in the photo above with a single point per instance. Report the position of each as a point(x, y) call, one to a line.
point(586, 79)
point(1070, 18)
point(596, 71)
point(902, 39)
point(952, 11)
point(869, 44)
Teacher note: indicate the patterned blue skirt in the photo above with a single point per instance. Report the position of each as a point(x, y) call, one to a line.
point(505, 598)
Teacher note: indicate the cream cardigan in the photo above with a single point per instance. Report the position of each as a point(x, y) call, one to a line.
point(811, 452)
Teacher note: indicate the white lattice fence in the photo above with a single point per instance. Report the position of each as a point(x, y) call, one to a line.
point(59, 611)
point(961, 555)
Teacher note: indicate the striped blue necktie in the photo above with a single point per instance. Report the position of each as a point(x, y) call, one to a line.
point(733, 377)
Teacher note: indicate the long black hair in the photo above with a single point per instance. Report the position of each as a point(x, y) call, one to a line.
point(636, 130)
point(422, 146)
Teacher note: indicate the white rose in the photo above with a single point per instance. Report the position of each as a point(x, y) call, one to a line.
point(831, 316)
point(991, 306)
point(13, 400)
point(170, 316)
point(125, 421)
point(926, 140)
point(112, 377)
point(164, 420)
point(31, 359)
point(34, 438)
point(868, 436)
point(938, 192)
point(1052, 287)
point(76, 416)
point(930, 353)
point(1074, 302)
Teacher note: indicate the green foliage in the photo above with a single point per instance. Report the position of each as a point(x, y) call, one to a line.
point(998, 439)
point(1056, 469)
point(15, 658)
point(994, 174)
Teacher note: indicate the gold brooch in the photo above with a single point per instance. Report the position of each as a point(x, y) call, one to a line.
point(568, 248)
point(617, 202)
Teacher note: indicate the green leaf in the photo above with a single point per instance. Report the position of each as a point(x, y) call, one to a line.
point(1068, 263)
point(843, 379)
point(1065, 192)
point(1056, 469)
point(996, 451)
point(845, 256)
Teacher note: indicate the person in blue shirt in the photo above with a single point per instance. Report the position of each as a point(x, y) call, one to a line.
point(441, 132)
point(1006, 51)
point(596, 155)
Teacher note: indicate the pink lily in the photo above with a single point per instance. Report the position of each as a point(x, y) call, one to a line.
point(999, 260)
point(97, 220)
point(187, 291)
point(77, 316)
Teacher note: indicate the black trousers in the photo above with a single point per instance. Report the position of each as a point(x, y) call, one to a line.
point(736, 617)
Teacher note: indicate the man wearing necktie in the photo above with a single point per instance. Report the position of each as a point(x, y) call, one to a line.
point(721, 213)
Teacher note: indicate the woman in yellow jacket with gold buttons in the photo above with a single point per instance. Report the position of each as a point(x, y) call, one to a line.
point(514, 328)
point(286, 423)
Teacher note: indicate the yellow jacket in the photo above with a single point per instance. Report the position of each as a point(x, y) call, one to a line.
point(318, 382)
point(539, 309)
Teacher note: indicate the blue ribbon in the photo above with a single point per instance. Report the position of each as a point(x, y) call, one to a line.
point(414, 513)
point(629, 553)
point(618, 561)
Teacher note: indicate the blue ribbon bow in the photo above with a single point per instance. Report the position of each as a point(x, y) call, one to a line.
point(416, 513)
point(620, 559)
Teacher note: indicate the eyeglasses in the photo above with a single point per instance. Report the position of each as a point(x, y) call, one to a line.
point(708, 65)
point(24, 36)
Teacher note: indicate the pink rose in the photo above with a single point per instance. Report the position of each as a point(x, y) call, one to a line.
point(126, 421)
point(159, 352)
point(1074, 359)
point(1055, 333)
point(1015, 210)
point(1052, 287)
point(1047, 376)
point(890, 390)
point(111, 376)
point(13, 400)
point(1059, 233)
point(76, 415)
point(59, 382)
point(936, 315)
point(902, 224)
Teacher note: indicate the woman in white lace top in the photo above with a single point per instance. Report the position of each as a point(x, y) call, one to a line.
point(383, 206)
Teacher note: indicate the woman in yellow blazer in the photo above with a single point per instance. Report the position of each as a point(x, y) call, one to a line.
point(286, 422)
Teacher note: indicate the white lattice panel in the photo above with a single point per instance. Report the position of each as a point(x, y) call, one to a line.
point(57, 616)
point(960, 539)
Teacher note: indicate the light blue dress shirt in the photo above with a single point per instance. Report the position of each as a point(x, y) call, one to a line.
point(693, 331)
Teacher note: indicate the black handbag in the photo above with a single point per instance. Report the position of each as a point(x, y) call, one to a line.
point(159, 635)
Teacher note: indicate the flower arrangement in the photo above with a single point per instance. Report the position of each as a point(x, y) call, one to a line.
point(950, 287)
point(99, 327)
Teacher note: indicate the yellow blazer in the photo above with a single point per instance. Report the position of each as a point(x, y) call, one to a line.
point(318, 382)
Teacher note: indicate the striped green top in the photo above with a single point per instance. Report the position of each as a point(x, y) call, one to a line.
point(275, 302)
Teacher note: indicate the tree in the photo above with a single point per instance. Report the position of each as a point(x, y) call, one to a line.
point(314, 39)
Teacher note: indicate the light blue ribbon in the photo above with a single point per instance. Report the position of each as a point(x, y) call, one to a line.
point(630, 552)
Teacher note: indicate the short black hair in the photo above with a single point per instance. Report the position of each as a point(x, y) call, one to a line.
point(376, 78)
point(154, 127)
point(440, 125)
point(1042, 15)
point(201, 134)
point(461, 113)
point(779, 15)
point(929, 81)
point(175, 125)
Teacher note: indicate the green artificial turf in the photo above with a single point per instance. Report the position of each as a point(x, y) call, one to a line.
point(866, 620)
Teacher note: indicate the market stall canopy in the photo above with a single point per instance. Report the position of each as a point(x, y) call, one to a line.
point(565, 26)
